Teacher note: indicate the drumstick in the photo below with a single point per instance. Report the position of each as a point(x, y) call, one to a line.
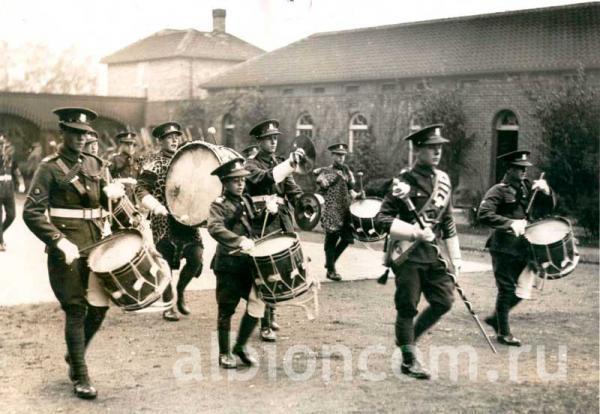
point(467, 303)
point(360, 177)
point(533, 197)
point(264, 222)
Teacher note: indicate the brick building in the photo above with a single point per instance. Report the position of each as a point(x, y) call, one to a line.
point(170, 65)
point(339, 85)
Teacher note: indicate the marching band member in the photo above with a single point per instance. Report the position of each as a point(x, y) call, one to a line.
point(504, 209)
point(172, 239)
point(250, 151)
point(230, 224)
point(70, 185)
point(91, 144)
point(8, 171)
point(123, 163)
point(338, 185)
point(423, 270)
point(272, 188)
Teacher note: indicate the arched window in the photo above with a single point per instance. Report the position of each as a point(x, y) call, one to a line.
point(228, 138)
point(506, 131)
point(305, 126)
point(357, 130)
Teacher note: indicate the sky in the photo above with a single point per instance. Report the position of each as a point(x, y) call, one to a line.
point(102, 27)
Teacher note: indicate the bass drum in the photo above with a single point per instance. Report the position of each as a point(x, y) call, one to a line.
point(189, 187)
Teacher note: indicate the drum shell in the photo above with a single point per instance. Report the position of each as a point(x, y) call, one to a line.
point(122, 279)
point(189, 186)
point(283, 263)
point(557, 259)
point(363, 228)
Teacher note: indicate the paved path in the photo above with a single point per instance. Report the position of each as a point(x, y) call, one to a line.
point(24, 276)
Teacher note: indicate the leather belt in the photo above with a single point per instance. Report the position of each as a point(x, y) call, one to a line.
point(78, 213)
point(265, 198)
point(6, 177)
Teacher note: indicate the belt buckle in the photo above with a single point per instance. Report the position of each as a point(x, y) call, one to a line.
point(86, 212)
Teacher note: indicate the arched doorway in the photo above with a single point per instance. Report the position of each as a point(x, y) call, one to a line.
point(228, 131)
point(506, 139)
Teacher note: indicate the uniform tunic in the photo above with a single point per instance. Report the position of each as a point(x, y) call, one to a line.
point(52, 188)
point(261, 182)
point(423, 271)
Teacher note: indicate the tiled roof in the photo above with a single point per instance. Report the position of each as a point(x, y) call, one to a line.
point(551, 38)
point(188, 43)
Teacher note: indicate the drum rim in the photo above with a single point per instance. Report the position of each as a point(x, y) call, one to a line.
point(283, 234)
point(178, 155)
point(565, 238)
point(111, 238)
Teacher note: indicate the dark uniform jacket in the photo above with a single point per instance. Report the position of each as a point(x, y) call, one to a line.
point(230, 219)
point(261, 182)
point(51, 187)
point(421, 179)
point(123, 166)
point(337, 196)
point(8, 169)
point(505, 202)
point(152, 181)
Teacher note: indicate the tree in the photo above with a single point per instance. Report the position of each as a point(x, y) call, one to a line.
point(569, 117)
point(446, 107)
point(36, 68)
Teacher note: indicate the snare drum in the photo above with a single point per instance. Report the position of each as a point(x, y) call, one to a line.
point(280, 269)
point(126, 215)
point(552, 247)
point(189, 186)
point(133, 276)
point(362, 219)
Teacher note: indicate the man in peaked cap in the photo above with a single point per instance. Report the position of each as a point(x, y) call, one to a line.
point(91, 144)
point(503, 208)
point(123, 164)
point(230, 224)
point(8, 173)
point(70, 185)
point(250, 151)
point(339, 189)
point(173, 240)
point(423, 270)
point(273, 192)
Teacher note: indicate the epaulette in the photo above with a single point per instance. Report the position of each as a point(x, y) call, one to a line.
point(219, 199)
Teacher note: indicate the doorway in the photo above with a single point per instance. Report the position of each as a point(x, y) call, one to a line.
point(506, 140)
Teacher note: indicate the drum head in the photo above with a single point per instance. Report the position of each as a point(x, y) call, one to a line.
point(547, 231)
point(271, 246)
point(189, 187)
point(367, 208)
point(118, 250)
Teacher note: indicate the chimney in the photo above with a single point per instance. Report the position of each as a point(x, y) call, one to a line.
point(219, 20)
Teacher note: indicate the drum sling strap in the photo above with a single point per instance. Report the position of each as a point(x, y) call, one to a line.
point(71, 175)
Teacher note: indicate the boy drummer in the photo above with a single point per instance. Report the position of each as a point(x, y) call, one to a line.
point(230, 224)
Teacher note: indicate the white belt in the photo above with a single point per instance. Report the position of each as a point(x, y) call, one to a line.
point(6, 177)
point(78, 213)
point(265, 198)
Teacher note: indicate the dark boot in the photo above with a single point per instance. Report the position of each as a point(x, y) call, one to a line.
point(333, 275)
point(185, 277)
point(75, 339)
point(274, 325)
point(509, 340)
point(411, 365)
point(247, 325)
point(226, 359)
point(93, 320)
point(181, 306)
point(429, 317)
point(492, 321)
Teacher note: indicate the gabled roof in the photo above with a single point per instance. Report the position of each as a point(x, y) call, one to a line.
point(553, 38)
point(188, 43)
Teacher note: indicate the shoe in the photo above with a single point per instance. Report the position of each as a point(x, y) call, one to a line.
point(493, 322)
point(170, 315)
point(84, 390)
point(181, 306)
point(246, 359)
point(508, 340)
point(275, 326)
point(227, 361)
point(415, 370)
point(268, 335)
point(333, 276)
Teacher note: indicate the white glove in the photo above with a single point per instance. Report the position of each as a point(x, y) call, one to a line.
point(114, 191)
point(127, 180)
point(541, 185)
point(271, 205)
point(246, 244)
point(425, 234)
point(70, 251)
point(21, 188)
point(457, 263)
point(296, 156)
point(154, 205)
point(518, 227)
point(400, 189)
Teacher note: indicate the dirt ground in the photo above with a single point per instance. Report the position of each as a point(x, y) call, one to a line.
point(343, 361)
